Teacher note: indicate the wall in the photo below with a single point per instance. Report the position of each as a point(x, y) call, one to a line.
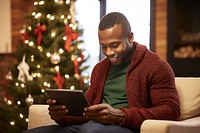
point(5, 26)
point(19, 10)
point(161, 28)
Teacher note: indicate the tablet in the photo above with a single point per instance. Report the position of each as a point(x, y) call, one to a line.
point(74, 100)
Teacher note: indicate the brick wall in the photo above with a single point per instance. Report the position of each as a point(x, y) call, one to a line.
point(19, 10)
point(161, 28)
point(5, 61)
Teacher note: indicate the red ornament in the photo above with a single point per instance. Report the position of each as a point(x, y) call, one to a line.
point(38, 31)
point(59, 80)
point(24, 36)
point(70, 37)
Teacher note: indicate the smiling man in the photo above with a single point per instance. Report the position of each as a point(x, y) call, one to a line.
point(116, 40)
point(130, 85)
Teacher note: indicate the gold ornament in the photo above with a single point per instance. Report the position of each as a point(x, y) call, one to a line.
point(55, 58)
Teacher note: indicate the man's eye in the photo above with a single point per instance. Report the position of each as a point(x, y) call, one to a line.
point(115, 45)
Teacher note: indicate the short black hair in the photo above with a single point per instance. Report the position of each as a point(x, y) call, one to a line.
point(110, 19)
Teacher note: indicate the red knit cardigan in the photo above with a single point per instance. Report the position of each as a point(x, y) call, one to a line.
point(150, 89)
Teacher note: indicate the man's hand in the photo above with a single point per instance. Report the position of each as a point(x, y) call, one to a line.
point(57, 112)
point(104, 113)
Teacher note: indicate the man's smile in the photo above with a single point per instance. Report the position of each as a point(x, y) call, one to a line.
point(113, 59)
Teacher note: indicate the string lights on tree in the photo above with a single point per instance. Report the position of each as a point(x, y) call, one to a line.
point(50, 54)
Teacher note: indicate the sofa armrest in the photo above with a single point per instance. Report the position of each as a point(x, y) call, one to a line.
point(155, 126)
point(39, 116)
point(191, 125)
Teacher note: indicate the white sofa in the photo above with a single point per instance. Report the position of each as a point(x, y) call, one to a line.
point(189, 121)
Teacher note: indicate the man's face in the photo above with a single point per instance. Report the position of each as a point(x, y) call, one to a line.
point(115, 46)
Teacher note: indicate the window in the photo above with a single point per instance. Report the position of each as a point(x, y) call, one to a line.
point(88, 15)
point(138, 14)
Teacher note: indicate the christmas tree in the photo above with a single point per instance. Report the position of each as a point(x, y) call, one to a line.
point(50, 55)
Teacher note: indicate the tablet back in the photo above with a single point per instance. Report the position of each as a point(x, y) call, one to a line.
point(75, 100)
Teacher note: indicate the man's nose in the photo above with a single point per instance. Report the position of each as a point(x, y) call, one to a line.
point(109, 52)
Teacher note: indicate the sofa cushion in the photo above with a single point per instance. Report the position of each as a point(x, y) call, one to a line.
point(189, 93)
point(39, 116)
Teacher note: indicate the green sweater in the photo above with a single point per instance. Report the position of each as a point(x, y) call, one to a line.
point(114, 92)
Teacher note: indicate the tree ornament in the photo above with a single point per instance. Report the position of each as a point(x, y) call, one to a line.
point(59, 80)
point(38, 31)
point(23, 35)
point(71, 35)
point(29, 100)
point(55, 58)
point(23, 68)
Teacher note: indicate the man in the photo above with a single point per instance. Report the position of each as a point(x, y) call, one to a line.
point(130, 85)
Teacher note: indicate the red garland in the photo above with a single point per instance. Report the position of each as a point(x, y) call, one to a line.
point(70, 37)
point(38, 31)
point(59, 80)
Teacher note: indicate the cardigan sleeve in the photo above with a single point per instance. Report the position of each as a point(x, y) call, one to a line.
point(163, 97)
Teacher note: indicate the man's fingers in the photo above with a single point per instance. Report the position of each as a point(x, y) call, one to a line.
point(58, 114)
point(96, 108)
point(57, 107)
point(51, 101)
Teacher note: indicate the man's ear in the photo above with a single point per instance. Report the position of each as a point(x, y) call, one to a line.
point(130, 37)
